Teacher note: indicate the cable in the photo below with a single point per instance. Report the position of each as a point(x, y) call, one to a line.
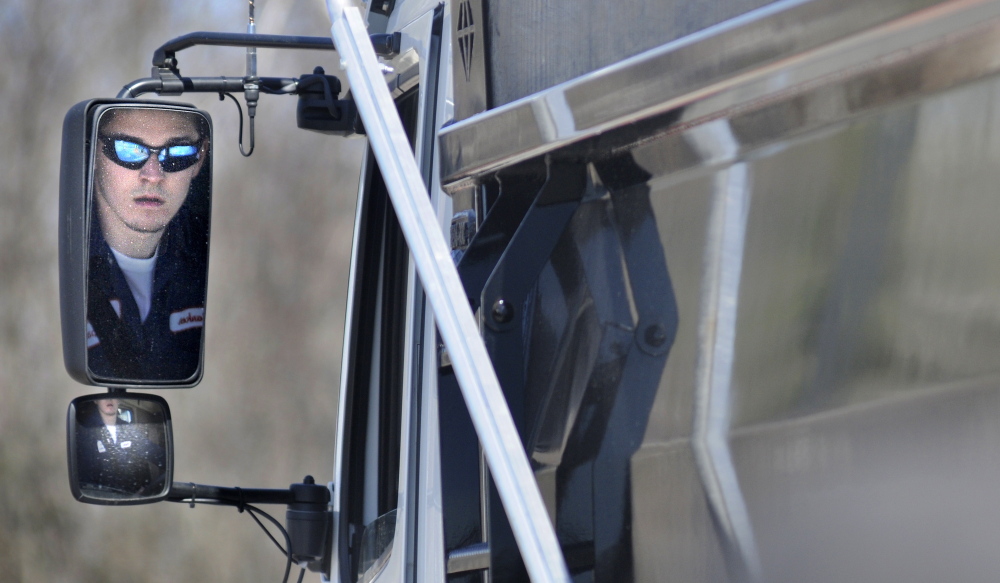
point(288, 541)
point(253, 511)
point(268, 532)
point(222, 97)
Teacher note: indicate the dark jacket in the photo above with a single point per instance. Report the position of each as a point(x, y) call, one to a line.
point(167, 346)
point(128, 465)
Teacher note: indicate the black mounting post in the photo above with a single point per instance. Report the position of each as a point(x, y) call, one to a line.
point(310, 524)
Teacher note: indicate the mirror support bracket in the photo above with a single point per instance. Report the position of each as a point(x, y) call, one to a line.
point(165, 82)
point(309, 519)
point(165, 78)
point(385, 45)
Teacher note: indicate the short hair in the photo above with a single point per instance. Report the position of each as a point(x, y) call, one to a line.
point(200, 123)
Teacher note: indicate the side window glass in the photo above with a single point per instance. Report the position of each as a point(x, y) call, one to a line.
point(377, 363)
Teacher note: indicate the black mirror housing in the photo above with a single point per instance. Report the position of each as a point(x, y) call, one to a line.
point(120, 448)
point(135, 215)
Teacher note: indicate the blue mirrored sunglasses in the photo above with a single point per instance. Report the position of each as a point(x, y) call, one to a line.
point(131, 154)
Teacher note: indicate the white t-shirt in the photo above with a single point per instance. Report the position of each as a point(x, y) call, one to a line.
point(113, 430)
point(139, 275)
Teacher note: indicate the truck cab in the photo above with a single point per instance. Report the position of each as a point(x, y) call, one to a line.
point(637, 293)
point(734, 270)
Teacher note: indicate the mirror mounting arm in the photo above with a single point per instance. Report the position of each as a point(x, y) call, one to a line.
point(191, 493)
point(386, 45)
point(164, 82)
point(309, 518)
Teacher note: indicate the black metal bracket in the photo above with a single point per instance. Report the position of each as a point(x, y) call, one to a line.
point(165, 77)
point(309, 519)
point(319, 108)
point(167, 82)
point(386, 45)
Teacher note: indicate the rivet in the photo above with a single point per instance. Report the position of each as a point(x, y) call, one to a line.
point(502, 313)
point(655, 335)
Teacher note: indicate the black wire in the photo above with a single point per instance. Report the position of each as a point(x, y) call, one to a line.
point(288, 541)
point(302, 574)
point(267, 532)
point(253, 511)
point(222, 97)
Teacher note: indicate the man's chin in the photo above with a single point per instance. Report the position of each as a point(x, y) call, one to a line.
point(147, 228)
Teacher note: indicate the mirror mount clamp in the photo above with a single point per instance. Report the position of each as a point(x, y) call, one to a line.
point(170, 80)
point(320, 109)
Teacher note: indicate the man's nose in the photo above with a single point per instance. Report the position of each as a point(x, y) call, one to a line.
point(151, 170)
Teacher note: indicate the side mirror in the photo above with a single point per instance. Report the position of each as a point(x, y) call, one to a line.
point(135, 202)
point(120, 448)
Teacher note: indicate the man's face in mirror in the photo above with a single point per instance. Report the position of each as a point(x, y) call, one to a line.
point(108, 409)
point(145, 162)
point(119, 458)
point(150, 209)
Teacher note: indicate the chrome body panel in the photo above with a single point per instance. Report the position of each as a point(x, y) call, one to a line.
point(823, 178)
point(858, 350)
point(774, 52)
point(724, 252)
point(535, 44)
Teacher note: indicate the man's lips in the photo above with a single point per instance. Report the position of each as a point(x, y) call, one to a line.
point(148, 201)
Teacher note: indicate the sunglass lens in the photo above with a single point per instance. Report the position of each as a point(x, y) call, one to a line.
point(180, 151)
point(177, 158)
point(130, 151)
point(133, 155)
point(125, 153)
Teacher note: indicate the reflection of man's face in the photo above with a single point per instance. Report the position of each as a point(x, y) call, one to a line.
point(108, 407)
point(136, 199)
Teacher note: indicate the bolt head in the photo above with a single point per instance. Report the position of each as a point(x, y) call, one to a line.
point(502, 312)
point(655, 335)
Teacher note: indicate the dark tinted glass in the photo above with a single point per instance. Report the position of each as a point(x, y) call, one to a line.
point(148, 246)
point(120, 449)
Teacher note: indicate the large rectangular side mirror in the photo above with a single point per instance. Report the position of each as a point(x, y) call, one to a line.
point(135, 213)
point(120, 448)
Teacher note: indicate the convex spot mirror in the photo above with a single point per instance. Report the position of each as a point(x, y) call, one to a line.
point(135, 202)
point(120, 448)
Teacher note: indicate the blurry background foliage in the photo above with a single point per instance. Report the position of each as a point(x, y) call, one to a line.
point(264, 415)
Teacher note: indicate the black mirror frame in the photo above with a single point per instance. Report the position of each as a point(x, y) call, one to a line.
point(71, 450)
point(74, 233)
